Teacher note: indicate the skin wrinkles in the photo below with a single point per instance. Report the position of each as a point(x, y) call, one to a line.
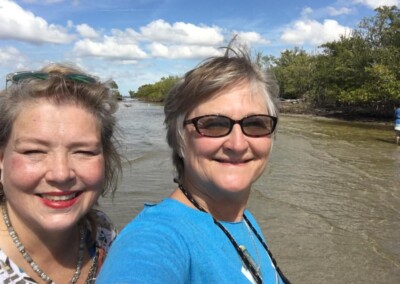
point(52, 150)
point(220, 171)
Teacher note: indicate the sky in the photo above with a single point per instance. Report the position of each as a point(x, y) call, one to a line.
point(137, 42)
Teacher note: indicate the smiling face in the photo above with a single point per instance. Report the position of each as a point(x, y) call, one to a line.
point(52, 166)
point(219, 167)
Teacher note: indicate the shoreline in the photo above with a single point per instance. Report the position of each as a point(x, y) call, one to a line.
point(299, 108)
point(302, 109)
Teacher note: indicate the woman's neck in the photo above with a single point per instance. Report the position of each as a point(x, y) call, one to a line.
point(55, 253)
point(223, 207)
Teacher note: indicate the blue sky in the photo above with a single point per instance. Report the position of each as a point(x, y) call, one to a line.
point(136, 42)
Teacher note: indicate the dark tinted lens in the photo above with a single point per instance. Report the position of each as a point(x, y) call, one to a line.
point(258, 125)
point(81, 78)
point(213, 125)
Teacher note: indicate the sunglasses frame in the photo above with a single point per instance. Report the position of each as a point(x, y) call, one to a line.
point(22, 75)
point(195, 120)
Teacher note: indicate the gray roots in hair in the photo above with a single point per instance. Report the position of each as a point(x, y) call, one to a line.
point(201, 83)
point(93, 97)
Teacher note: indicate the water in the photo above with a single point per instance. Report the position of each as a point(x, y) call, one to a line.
point(328, 204)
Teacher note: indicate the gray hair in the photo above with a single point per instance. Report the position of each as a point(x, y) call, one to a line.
point(199, 84)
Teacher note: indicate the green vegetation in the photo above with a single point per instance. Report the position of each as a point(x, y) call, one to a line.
point(155, 92)
point(358, 74)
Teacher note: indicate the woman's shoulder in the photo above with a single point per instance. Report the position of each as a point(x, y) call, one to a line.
point(106, 231)
point(171, 211)
point(168, 218)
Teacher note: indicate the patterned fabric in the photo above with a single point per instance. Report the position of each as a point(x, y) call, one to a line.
point(106, 233)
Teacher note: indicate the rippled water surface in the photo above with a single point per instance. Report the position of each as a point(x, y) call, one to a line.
point(328, 204)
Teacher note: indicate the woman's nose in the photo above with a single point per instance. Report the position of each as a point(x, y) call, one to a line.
point(236, 139)
point(59, 169)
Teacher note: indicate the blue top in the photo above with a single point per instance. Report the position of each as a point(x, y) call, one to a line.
point(397, 114)
point(173, 243)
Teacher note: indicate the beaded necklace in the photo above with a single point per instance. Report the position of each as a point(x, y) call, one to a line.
point(242, 253)
point(93, 268)
point(29, 259)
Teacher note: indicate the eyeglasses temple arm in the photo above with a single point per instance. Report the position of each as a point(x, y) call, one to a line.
point(9, 79)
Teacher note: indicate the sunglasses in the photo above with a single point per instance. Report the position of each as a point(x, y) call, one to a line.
point(20, 76)
point(219, 126)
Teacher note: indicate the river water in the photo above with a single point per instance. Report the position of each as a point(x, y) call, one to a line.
point(328, 203)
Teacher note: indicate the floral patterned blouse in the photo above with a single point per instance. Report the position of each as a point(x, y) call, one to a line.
point(106, 233)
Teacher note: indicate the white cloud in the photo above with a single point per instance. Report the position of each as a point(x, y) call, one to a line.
point(70, 24)
point(251, 38)
point(10, 57)
point(159, 50)
point(185, 33)
point(16, 23)
point(129, 36)
point(9, 54)
point(376, 3)
point(313, 32)
point(182, 51)
point(178, 40)
point(306, 11)
point(338, 11)
point(86, 31)
point(109, 48)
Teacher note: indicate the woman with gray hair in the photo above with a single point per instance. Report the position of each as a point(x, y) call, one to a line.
point(220, 119)
point(58, 154)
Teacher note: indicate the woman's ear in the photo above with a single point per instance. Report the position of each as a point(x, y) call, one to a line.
point(1, 163)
